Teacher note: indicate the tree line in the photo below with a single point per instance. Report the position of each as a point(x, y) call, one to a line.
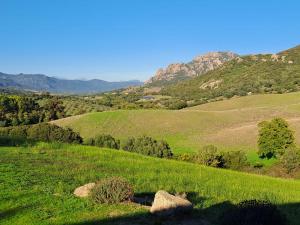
point(22, 110)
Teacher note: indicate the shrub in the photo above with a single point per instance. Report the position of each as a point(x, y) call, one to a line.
point(50, 132)
point(13, 141)
point(42, 132)
point(274, 138)
point(210, 156)
point(186, 157)
point(175, 104)
point(107, 141)
point(291, 159)
point(112, 190)
point(103, 141)
point(253, 212)
point(235, 160)
point(148, 146)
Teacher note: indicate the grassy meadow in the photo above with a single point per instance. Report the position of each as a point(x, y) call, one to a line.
point(229, 124)
point(37, 184)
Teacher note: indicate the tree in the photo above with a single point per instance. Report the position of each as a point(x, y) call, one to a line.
point(54, 109)
point(274, 138)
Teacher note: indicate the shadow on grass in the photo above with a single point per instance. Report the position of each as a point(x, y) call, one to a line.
point(8, 213)
point(213, 215)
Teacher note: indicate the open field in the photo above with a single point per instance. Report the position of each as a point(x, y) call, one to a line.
point(37, 184)
point(229, 124)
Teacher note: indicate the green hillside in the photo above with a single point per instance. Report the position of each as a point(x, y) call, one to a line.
point(278, 73)
point(37, 184)
point(229, 124)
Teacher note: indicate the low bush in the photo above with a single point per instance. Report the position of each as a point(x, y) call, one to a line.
point(253, 212)
point(103, 141)
point(235, 160)
point(14, 141)
point(290, 160)
point(41, 132)
point(112, 190)
point(186, 157)
point(210, 156)
point(148, 146)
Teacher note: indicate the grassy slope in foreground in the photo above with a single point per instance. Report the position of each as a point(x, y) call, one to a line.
point(229, 124)
point(37, 184)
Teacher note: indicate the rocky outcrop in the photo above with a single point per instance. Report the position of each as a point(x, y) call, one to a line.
point(199, 65)
point(84, 191)
point(166, 204)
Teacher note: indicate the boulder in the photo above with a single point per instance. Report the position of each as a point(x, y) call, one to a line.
point(166, 204)
point(84, 191)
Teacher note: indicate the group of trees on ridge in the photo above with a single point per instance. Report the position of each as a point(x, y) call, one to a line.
point(21, 110)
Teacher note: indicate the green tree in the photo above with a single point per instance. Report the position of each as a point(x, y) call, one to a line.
point(275, 137)
point(54, 109)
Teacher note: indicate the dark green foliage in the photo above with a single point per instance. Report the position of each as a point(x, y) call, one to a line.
point(235, 160)
point(41, 132)
point(112, 190)
point(21, 110)
point(210, 156)
point(14, 141)
point(274, 138)
point(253, 212)
point(53, 109)
point(174, 104)
point(104, 141)
point(291, 159)
point(17, 110)
point(148, 146)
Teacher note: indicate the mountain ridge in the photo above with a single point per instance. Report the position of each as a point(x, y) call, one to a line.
point(199, 65)
point(244, 75)
point(41, 82)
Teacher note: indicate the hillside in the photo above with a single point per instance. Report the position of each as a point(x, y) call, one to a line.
point(37, 185)
point(228, 124)
point(39, 82)
point(182, 71)
point(277, 73)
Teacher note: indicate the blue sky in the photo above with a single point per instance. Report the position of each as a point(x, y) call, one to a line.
point(130, 39)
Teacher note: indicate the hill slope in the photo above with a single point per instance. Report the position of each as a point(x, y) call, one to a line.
point(277, 73)
point(229, 124)
point(37, 185)
point(39, 82)
point(198, 66)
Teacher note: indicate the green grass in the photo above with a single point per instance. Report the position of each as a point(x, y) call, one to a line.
point(229, 124)
point(254, 159)
point(37, 182)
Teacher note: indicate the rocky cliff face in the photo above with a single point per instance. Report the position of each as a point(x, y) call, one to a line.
point(199, 65)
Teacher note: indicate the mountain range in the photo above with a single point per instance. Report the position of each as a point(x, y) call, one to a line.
point(212, 76)
point(40, 82)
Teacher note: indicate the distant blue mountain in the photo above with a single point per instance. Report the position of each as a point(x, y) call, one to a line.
point(40, 82)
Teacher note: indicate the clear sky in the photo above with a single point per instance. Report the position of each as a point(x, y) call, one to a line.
point(130, 39)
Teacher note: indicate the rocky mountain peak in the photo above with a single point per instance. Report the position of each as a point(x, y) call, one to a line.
point(198, 66)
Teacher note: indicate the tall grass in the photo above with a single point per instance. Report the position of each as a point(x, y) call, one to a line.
point(44, 177)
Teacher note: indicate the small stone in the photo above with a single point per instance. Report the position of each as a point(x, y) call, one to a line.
point(84, 191)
